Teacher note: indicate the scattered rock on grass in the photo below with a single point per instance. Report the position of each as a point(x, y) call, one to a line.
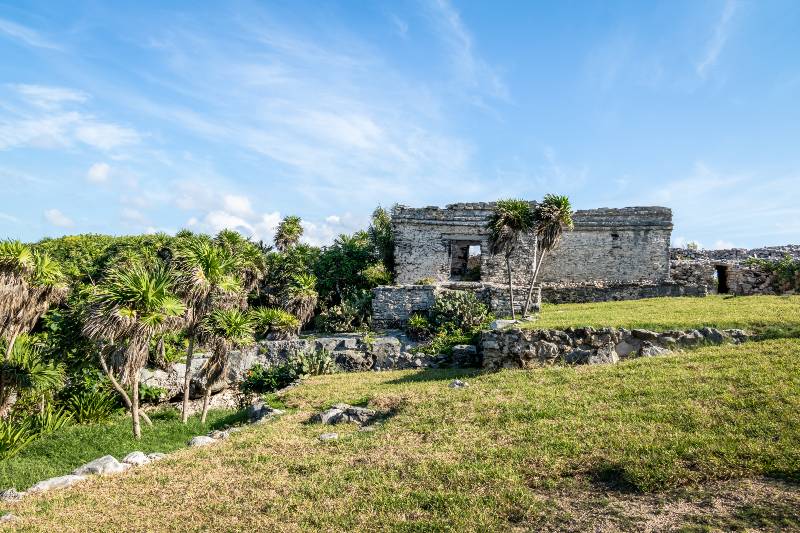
point(342, 412)
point(328, 436)
point(156, 456)
point(200, 440)
point(60, 482)
point(458, 384)
point(220, 434)
point(7, 518)
point(136, 459)
point(11, 495)
point(261, 412)
point(104, 465)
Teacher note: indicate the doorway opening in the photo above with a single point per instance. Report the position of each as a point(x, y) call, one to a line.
point(721, 273)
point(465, 261)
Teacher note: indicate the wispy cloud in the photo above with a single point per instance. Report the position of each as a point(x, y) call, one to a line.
point(25, 35)
point(719, 36)
point(57, 218)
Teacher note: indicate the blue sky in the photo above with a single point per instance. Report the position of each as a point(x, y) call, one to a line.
point(152, 116)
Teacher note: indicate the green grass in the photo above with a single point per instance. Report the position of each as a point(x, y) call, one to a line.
point(776, 315)
point(512, 451)
point(60, 453)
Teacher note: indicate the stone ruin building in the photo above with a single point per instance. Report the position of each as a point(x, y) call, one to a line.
point(612, 254)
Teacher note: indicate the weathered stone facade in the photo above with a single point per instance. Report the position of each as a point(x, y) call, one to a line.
point(728, 271)
point(627, 245)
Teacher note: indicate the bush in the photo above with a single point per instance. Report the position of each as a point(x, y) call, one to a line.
point(418, 327)
point(443, 342)
point(50, 419)
point(259, 379)
point(150, 393)
point(458, 310)
point(92, 406)
point(14, 437)
point(275, 323)
point(316, 363)
point(354, 313)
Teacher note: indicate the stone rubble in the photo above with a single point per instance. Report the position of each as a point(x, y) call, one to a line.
point(328, 436)
point(11, 495)
point(200, 440)
point(342, 412)
point(136, 459)
point(458, 384)
point(526, 348)
point(260, 412)
point(103, 465)
point(60, 482)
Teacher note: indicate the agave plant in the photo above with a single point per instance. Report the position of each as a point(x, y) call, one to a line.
point(25, 370)
point(222, 330)
point(131, 306)
point(276, 323)
point(303, 297)
point(30, 283)
point(507, 223)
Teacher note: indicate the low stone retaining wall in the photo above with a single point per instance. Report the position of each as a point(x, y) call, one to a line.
point(605, 292)
point(528, 348)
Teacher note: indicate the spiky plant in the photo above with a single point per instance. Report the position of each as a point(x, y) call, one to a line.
point(303, 297)
point(247, 255)
point(276, 323)
point(223, 330)
point(288, 233)
point(551, 217)
point(132, 305)
point(207, 280)
point(509, 220)
point(30, 283)
point(26, 370)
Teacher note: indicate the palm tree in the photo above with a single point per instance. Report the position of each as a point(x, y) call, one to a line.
point(222, 330)
point(288, 233)
point(133, 304)
point(302, 297)
point(30, 283)
point(207, 279)
point(551, 216)
point(24, 369)
point(509, 220)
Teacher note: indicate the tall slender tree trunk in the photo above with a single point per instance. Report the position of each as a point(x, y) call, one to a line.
point(206, 398)
point(534, 262)
point(187, 380)
point(10, 347)
point(121, 391)
point(539, 266)
point(137, 428)
point(510, 287)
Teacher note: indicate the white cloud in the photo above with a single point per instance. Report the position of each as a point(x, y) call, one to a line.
point(25, 35)
point(9, 218)
point(98, 173)
point(57, 218)
point(333, 219)
point(238, 205)
point(719, 37)
point(48, 97)
point(723, 245)
point(105, 136)
point(132, 215)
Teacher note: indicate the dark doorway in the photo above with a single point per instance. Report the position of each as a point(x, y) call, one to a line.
point(465, 261)
point(722, 279)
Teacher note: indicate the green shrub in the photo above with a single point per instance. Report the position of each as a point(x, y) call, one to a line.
point(458, 310)
point(418, 327)
point(14, 437)
point(353, 314)
point(786, 271)
point(274, 323)
point(315, 363)
point(50, 419)
point(259, 379)
point(443, 342)
point(92, 406)
point(150, 393)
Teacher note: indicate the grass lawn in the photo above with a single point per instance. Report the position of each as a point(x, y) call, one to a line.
point(60, 453)
point(548, 449)
point(779, 315)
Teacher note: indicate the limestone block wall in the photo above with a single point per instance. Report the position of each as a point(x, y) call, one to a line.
point(620, 245)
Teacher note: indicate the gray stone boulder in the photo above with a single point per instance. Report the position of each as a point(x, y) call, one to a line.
point(501, 324)
point(328, 436)
point(103, 465)
point(458, 384)
point(156, 456)
point(343, 412)
point(649, 349)
point(8, 517)
point(220, 434)
point(604, 355)
point(261, 412)
point(136, 459)
point(60, 482)
point(11, 495)
point(465, 356)
point(200, 440)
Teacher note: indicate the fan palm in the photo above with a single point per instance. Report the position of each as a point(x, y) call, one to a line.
point(30, 283)
point(25, 369)
point(551, 216)
point(303, 297)
point(288, 233)
point(507, 223)
point(207, 279)
point(222, 330)
point(133, 304)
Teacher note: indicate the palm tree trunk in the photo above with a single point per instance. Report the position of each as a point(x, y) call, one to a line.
point(206, 398)
point(10, 347)
point(187, 379)
point(121, 391)
point(534, 262)
point(510, 287)
point(539, 266)
point(137, 428)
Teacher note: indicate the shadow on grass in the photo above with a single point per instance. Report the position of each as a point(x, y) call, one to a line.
point(170, 415)
point(438, 374)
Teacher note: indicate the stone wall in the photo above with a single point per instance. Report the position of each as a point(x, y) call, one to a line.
point(612, 245)
point(528, 348)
